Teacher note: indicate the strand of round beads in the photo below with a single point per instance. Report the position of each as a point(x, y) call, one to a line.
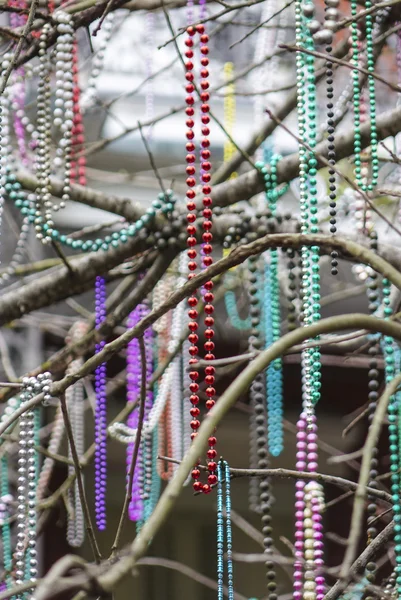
point(331, 17)
point(53, 448)
point(42, 216)
point(89, 96)
point(359, 175)
point(14, 190)
point(373, 386)
point(63, 111)
point(229, 295)
point(292, 289)
point(146, 475)
point(224, 534)
point(100, 413)
point(273, 319)
point(74, 398)
point(4, 142)
point(394, 431)
point(229, 112)
point(259, 430)
point(135, 507)
point(164, 204)
point(207, 248)
point(6, 501)
point(25, 554)
point(310, 538)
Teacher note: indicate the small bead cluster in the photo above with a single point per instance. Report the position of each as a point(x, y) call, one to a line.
point(207, 248)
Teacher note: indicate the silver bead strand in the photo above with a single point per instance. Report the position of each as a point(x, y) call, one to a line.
point(89, 97)
point(63, 112)
point(75, 405)
point(43, 196)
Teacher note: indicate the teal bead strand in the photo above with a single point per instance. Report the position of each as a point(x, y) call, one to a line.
point(26, 204)
point(272, 317)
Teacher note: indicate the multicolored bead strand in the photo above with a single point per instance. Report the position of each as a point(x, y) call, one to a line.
point(100, 413)
point(207, 248)
point(308, 580)
point(224, 534)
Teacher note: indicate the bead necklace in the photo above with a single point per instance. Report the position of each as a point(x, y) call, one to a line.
point(56, 438)
point(308, 582)
point(127, 434)
point(135, 508)
point(273, 318)
point(292, 290)
point(391, 361)
point(164, 205)
point(260, 490)
point(7, 161)
point(331, 17)
point(89, 96)
point(25, 551)
point(63, 113)
point(6, 501)
point(74, 397)
point(373, 386)
point(243, 324)
point(229, 113)
point(143, 471)
point(100, 413)
point(359, 175)
point(207, 248)
point(224, 534)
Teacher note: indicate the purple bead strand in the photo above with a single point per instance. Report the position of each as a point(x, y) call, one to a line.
point(100, 413)
point(299, 511)
point(135, 507)
point(141, 475)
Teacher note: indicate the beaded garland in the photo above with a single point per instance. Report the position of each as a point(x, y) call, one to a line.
point(207, 248)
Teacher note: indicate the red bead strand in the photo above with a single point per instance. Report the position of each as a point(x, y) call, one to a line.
point(205, 177)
